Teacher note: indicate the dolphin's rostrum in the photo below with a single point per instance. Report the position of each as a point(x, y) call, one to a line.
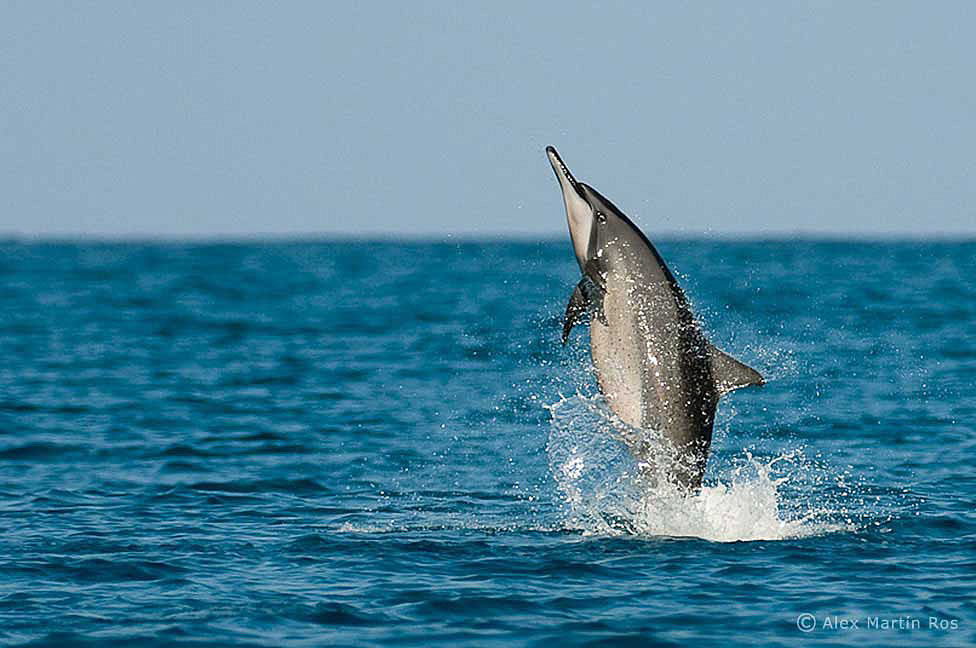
point(652, 361)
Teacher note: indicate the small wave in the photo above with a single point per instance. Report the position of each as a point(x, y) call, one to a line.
point(116, 570)
point(40, 451)
point(351, 527)
point(608, 493)
point(333, 613)
point(302, 486)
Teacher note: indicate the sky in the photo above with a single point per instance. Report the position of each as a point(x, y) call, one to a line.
point(236, 119)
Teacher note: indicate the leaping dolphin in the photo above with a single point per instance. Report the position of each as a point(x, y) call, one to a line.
point(653, 363)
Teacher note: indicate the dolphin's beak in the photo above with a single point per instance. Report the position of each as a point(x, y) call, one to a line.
point(566, 180)
point(579, 213)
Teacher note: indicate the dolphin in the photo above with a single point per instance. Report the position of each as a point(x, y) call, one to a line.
point(652, 361)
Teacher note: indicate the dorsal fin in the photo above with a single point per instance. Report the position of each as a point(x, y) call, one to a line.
point(729, 373)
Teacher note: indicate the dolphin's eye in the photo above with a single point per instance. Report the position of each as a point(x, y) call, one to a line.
point(601, 217)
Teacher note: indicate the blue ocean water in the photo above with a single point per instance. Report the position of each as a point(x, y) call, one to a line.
point(370, 443)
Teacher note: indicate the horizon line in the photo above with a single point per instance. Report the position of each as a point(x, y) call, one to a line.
point(450, 237)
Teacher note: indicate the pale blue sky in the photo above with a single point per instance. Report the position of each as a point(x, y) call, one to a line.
point(223, 118)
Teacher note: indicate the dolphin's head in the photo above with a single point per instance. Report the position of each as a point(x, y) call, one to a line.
point(579, 213)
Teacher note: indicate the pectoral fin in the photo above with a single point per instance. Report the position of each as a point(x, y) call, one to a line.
point(729, 373)
point(587, 297)
point(575, 310)
point(595, 270)
point(594, 293)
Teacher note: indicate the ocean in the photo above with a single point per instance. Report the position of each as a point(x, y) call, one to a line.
point(355, 443)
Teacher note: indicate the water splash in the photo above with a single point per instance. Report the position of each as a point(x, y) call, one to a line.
point(608, 492)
